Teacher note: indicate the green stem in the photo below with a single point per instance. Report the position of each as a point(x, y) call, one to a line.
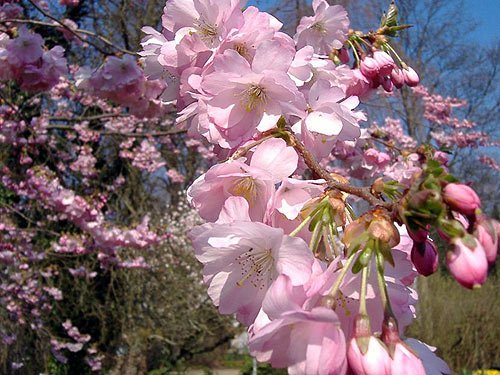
point(384, 294)
point(362, 292)
point(356, 56)
point(301, 225)
point(335, 288)
point(313, 244)
point(333, 234)
point(395, 53)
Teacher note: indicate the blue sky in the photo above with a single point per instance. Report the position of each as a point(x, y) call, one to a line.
point(487, 14)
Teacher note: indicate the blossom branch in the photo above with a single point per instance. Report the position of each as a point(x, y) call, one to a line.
point(362, 192)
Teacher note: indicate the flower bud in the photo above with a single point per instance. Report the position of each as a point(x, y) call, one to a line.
point(411, 77)
point(425, 257)
point(461, 198)
point(488, 237)
point(467, 262)
point(369, 67)
point(344, 56)
point(387, 84)
point(385, 62)
point(398, 78)
point(366, 354)
point(375, 360)
point(419, 235)
point(405, 361)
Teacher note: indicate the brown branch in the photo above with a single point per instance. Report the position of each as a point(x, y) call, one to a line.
point(90, 118)
point(136, 135)
point(362, 192)
point(77, 33)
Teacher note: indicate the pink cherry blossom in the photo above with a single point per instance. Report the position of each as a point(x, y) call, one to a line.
point(210, 19)
point(240, 268)
point(242, 99)
point(307, 341)
point(26, 48)
point(324, 31)
point(255, 182)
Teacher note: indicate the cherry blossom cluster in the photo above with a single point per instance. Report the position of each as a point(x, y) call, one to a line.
point(121, 80)
point(25, 60)
point(322, 290)
point(449, 130)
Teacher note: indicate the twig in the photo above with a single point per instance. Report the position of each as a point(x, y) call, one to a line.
point(78, 31)
point(362, 192)
point(136, 135)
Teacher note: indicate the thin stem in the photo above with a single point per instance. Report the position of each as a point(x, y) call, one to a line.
point(312, 163)
point(333, 235)
point(384, 294)
point(329, 253)
point(243, 150)
point(387, 45)
point(356, 56)
point(313, 244)
point(362, 292)
point(335, 288)
point(301, 226)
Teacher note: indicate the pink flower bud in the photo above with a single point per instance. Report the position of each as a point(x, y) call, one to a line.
point(405, 361)
point(369, 67)
point(425, 257)
point(461, 198)
point(441, 157)
point(385, 62)
point(488, 237)
point(375, 360)
point(411, 77)
point(366, 354)
point(398, 78)
point(361, 84)
point(467, 262)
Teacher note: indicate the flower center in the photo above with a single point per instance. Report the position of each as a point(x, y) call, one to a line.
point(255, 267)
point(209, 33)
point(245, 187)
point(254, 96)
point(242, 49)
point(319, 27)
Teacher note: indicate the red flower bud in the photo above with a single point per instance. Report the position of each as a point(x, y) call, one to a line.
point(398, 78)
point(425, 257)
point(461, 198)
point(344, 56)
